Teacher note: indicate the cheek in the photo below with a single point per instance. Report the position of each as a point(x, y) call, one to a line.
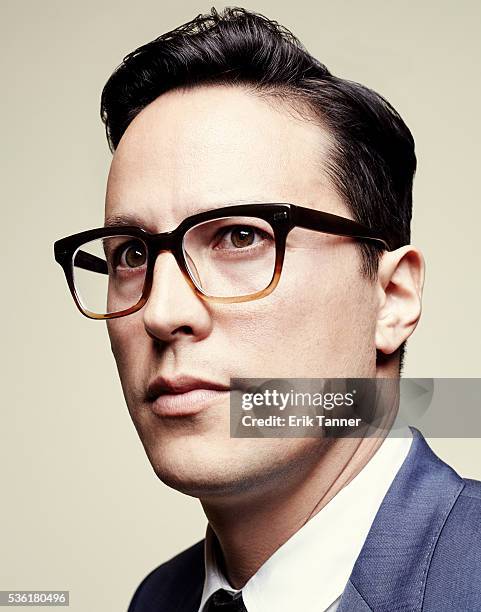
point(319, 321)
point(327, 285)
point(126, 336)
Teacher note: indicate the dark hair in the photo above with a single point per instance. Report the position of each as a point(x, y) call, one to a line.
point(372, 160)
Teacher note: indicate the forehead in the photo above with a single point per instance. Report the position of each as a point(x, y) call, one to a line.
point(191, 150)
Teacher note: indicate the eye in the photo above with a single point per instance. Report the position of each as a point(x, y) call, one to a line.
point(240, 236)
point(131, 255)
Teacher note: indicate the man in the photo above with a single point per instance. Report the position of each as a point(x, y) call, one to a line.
point(218, 261)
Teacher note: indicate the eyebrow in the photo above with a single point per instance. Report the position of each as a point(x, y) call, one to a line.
point(121, 220)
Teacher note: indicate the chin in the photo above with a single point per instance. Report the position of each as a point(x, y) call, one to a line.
point(209, 472)
point(199, 469)
point(200, 483)
point(192, 470)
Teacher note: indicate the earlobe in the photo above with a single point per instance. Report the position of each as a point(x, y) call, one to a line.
point(400, 285)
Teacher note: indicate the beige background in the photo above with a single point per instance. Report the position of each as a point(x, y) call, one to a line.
point(81, 508)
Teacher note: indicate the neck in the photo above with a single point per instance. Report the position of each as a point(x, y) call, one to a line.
point(251, 527)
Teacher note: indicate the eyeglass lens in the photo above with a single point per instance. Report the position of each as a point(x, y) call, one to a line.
point(227, 257)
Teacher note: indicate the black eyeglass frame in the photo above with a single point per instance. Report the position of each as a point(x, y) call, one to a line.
point(282, 217)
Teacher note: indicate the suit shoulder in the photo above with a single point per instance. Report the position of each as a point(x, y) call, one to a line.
point(472, 488)
point(170, 581)
point(454, 576)
point(464, 521)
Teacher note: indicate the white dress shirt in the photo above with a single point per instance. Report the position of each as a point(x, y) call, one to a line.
point(310, 570)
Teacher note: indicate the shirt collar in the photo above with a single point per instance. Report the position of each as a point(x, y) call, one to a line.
point(311, 569)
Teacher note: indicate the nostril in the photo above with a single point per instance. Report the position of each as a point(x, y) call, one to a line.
point(184, 329)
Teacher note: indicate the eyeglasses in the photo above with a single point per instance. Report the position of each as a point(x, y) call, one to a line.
point(229, 254)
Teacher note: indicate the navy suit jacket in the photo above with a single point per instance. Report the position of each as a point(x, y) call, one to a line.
point(422, 553)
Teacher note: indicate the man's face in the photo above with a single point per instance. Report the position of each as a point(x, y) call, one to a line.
point(205, 148)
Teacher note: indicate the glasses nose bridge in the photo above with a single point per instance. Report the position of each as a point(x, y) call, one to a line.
point(167, 242)
point(164, 242)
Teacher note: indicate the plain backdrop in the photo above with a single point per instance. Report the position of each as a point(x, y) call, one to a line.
point(81, 508)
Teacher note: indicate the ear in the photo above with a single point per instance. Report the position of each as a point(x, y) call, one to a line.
point(400, 286)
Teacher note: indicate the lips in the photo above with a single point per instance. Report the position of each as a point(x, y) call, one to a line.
point(183, 395)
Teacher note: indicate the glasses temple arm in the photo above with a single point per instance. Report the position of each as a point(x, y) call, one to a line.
point(333, 224)
point(86, 261)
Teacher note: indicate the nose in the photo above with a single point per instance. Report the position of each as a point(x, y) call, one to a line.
point(173, 310)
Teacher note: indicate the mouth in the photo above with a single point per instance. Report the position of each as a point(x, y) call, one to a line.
point(183, 396)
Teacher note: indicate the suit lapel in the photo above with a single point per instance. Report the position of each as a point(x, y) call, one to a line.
point(351, 600)
point(390, 572)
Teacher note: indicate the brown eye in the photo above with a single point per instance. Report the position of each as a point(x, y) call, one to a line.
point(242, 236)
point(133, 256)
point(236, 238)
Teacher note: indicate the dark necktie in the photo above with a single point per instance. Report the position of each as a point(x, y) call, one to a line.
point(223, 601)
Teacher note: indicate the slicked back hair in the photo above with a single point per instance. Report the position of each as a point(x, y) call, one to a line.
point(371, 162)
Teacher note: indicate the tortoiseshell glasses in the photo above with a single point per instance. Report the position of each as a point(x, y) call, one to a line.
point(229, 254)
